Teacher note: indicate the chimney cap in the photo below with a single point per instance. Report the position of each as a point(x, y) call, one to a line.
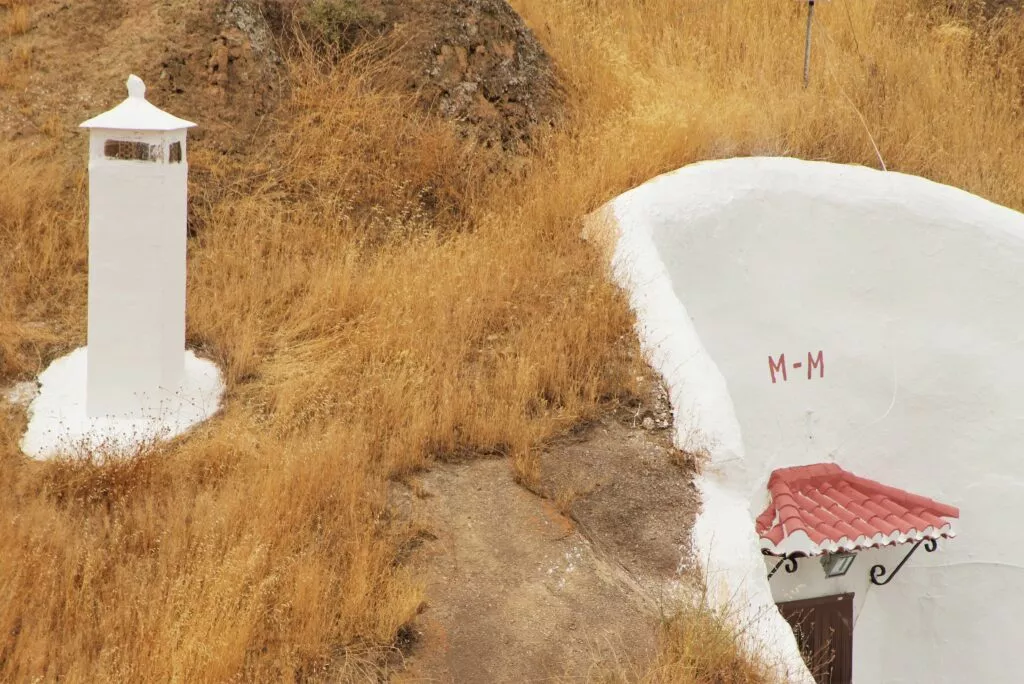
point(136, 114)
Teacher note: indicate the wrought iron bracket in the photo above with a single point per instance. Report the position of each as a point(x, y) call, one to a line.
point(878, 571)
point(790, 562)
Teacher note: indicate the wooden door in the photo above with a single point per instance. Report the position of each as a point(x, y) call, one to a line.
point(824, 630)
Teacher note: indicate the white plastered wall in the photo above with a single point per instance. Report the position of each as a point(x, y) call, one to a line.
point(913, 293)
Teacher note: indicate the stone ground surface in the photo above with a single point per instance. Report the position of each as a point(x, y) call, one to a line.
point(524, 587)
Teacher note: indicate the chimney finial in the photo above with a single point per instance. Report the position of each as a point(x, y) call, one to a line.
point(136, 88)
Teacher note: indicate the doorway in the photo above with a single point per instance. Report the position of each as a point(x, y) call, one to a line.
point(824, 631)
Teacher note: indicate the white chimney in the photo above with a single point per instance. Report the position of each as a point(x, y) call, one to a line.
point(134, 383)
point(138, 190)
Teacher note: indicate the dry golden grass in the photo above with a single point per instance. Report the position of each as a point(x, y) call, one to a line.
point(376, 301)
point(937, 90)
point(697, 645)
point(361, 335)
point(15, 69)
point(18, 20)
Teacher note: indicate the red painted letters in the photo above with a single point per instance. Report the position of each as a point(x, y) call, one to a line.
point(780, 366)
point(814, 361)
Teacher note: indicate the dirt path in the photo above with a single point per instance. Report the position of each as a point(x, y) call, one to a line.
point(519, 591)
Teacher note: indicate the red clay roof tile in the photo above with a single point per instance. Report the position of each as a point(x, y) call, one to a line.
point(836, 509)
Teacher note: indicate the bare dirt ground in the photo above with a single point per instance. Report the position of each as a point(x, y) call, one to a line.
point(527, 587)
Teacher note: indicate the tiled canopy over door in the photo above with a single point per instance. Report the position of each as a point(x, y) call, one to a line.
point(824, 629)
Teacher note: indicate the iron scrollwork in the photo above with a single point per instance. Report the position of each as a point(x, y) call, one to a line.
point(790, 562)
point(878, 571)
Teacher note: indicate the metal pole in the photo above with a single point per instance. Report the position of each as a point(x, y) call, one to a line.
point(807, 44)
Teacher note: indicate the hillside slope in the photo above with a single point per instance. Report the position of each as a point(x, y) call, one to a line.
point(386, 291)
point(474, 63)
point(215, 61)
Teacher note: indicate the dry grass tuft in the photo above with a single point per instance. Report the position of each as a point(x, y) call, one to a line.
point(696, 645)
point(700, 645)
point(16, 68)
point(565, 497)
point(526, 468)
point(377, 301)
point(18, 20)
